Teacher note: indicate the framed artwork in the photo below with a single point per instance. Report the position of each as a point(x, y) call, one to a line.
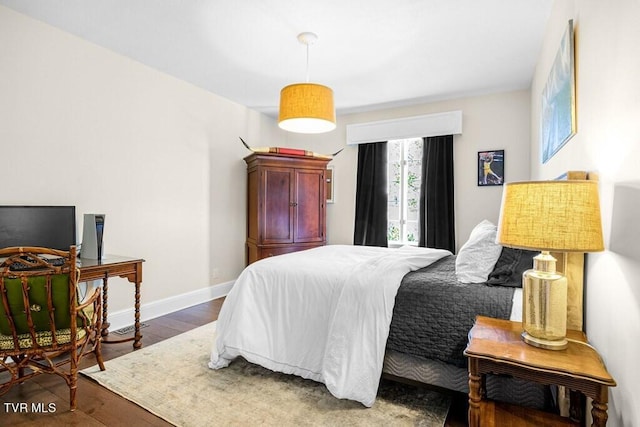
point(490, 168)
point(329, 190)
point(558, 115)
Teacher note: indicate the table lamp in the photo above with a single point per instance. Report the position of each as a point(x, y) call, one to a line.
point(562, 216)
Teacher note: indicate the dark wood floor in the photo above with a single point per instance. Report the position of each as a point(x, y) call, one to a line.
point(98, 406)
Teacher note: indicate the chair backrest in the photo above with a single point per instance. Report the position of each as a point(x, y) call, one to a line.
point(37, 295)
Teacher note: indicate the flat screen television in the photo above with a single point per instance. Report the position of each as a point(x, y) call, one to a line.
point(45, 226)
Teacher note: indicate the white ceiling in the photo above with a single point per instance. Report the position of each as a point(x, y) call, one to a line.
point(372, 53)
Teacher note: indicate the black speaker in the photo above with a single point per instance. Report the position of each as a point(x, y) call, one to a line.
point(92, 234)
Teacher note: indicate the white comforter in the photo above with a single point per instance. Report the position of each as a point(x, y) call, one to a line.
point(322, 314)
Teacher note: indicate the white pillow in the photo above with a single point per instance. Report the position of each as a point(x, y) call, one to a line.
point(478, 256)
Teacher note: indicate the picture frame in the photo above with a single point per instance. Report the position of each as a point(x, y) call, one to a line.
point(558, 106)
point(490, 168)
point(329, 183)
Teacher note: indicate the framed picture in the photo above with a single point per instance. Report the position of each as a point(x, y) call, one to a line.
point(329, 190)
point(490, 168)
point(558, 115)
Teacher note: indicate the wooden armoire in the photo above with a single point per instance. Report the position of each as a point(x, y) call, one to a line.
point(286, 204)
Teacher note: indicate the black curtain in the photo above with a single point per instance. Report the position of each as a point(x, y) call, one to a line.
point(371, 195)
point(437, 220)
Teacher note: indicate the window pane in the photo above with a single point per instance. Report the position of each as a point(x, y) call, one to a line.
point(413, 232)
point(394, 177)
point(393, 212)
point(393, 231)
point(414, 177)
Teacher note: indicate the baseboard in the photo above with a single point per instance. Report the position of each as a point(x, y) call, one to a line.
point(159, 308)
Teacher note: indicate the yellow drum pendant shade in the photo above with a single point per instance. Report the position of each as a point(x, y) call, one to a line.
point(307, 108)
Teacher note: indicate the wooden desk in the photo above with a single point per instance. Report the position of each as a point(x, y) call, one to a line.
point(115, 266)
point(495, 346)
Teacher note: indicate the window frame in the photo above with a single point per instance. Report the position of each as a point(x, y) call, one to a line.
point(403, 207)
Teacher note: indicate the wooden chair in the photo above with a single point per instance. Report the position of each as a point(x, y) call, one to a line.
point(56, 329)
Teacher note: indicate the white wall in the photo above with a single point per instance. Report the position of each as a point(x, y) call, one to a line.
point(491, 122)
point(161, 158)
point(607, 142)
point(83, 126)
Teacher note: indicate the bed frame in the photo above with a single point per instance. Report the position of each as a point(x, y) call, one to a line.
point(401, 367)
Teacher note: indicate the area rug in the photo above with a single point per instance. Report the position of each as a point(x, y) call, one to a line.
point(171, 380)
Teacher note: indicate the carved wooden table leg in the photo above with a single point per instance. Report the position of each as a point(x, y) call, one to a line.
point(105, 291)
point(599, 407)
point(137, 341)
point(475, 393)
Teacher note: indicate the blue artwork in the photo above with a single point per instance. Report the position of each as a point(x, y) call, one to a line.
point(558, 119)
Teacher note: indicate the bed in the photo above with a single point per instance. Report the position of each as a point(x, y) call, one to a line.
point(343, 315)
point(454, 376)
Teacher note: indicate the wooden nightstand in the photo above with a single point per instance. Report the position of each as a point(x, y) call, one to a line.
point(495, 346)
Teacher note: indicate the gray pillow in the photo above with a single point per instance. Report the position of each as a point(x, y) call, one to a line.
point(510, 266)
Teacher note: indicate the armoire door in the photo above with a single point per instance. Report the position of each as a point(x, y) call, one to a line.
point(309, 205)
point(277, 207)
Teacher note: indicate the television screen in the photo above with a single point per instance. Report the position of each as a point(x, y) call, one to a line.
point(45, 226)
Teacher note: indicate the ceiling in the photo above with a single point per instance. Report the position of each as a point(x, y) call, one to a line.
point(372, 53)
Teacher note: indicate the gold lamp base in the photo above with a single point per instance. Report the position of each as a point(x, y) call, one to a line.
point(560, 344)
point(544, 304)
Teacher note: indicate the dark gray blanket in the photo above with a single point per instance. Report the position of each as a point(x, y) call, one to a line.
point(433, 312)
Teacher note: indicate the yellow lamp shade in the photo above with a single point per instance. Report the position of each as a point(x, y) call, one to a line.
point(551, 216)
point(307, 108)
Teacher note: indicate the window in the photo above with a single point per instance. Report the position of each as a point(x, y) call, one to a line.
point(404, 178)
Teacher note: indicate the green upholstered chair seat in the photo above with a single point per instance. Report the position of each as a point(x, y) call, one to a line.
point(43, 338)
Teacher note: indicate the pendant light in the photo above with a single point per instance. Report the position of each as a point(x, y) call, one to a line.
point(307, 107)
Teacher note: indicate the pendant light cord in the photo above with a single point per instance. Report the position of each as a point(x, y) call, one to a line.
point(307, 62)
point(307, 39)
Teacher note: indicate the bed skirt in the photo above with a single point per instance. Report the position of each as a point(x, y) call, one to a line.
point(436, 373)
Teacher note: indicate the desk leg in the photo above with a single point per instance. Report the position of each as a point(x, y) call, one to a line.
point(599, 407)
point(475, 393)
point(105, 303)
point(137, 340)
